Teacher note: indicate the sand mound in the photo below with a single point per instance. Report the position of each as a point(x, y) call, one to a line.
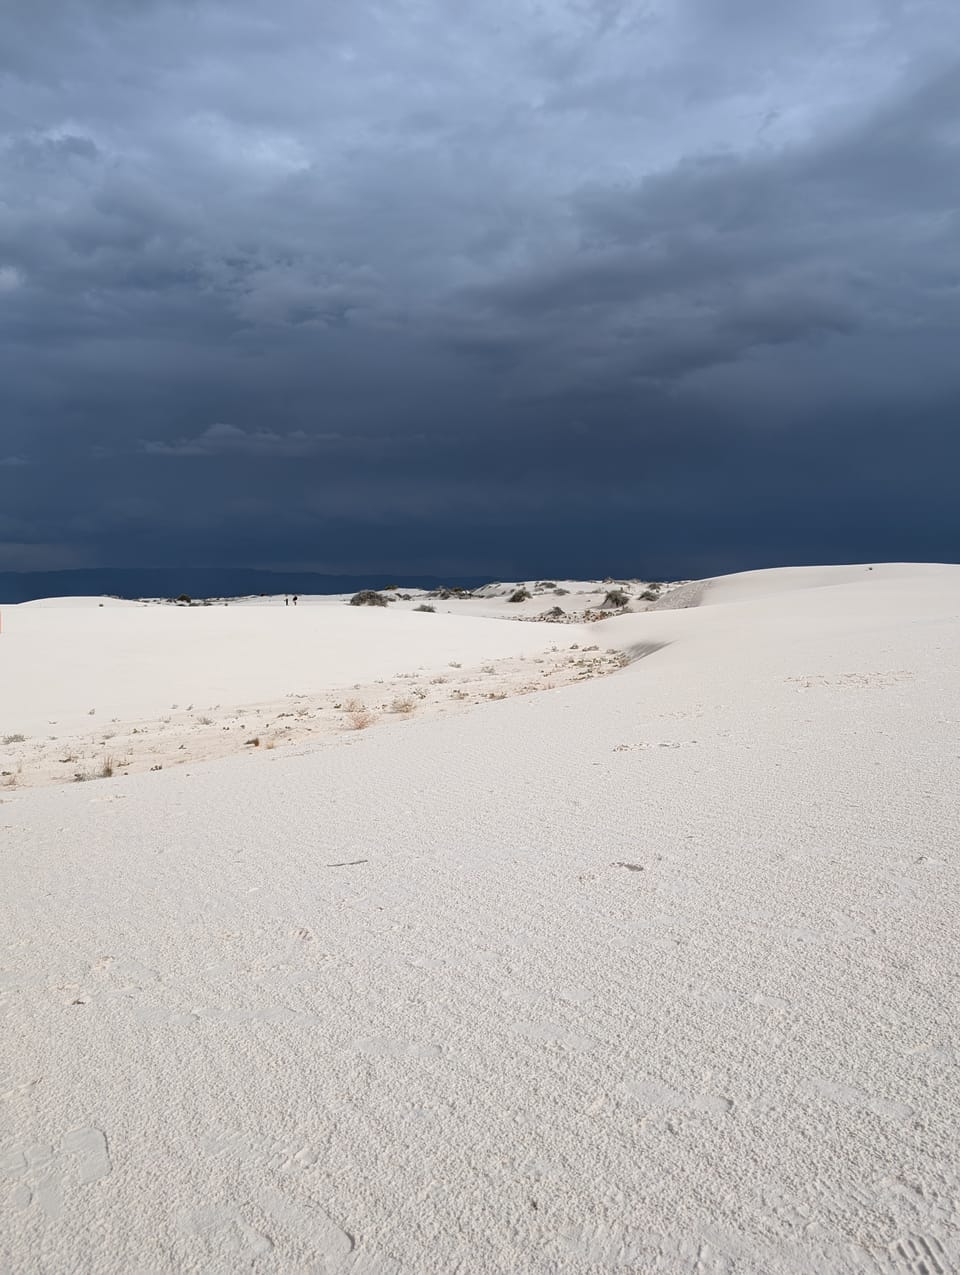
point(654, 973)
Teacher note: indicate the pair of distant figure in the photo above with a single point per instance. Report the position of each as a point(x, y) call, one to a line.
point(296, 599)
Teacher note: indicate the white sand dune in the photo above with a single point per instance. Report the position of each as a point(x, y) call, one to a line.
point(654, 973)
point(142, 661)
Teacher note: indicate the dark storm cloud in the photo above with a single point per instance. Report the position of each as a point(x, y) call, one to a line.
point(380, 276)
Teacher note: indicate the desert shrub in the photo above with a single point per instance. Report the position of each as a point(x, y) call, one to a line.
point(518, 595)
point(451, 591)
point(425, 607)
point(648, 595)
point(368, 598)
point(184, 597)
point(616, 598)
point(553, 614)
point(402, 706)
point(547, 584)
point(560, 593)
point(361, 720)
point(14, 739)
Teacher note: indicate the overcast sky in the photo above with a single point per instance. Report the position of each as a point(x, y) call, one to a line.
point(666, 287)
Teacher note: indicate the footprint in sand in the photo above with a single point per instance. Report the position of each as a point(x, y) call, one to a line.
point(388, 1047)
point(552, 1034)
point(653, 1093)
point(43, 1172)
point(226, 1233)
point(852, 1096)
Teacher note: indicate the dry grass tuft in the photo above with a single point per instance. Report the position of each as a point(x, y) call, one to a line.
point(361, 719)
point(402, 706)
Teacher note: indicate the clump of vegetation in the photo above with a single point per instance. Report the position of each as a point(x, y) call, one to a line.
point(519, 595)
point(547, 584)
point(14, 739)
point(554, 613)
point(615, 598)
point(368, 598)
point(453, 591)
point(560, 593)
point(402, 706)
point(184, 597)
point(425, 607)
point(361, 719)
point(648, 595)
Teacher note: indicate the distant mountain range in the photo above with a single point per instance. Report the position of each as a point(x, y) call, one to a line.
point(201, 582)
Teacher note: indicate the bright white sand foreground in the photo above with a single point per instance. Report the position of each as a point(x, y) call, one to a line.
point(656, 973)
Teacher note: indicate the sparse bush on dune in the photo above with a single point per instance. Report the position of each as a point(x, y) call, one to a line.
point(368, 598)
point(615, 598)
point(425, 607)
point(402, 706)
point(14, 739)
point(361, 720)
point(519, 595)
point(648, 595)
point(453, 591)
